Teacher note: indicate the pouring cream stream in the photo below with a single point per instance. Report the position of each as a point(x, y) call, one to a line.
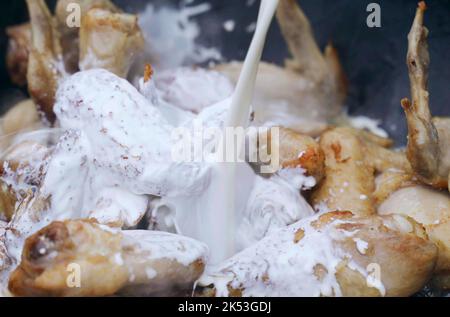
point(224, 211)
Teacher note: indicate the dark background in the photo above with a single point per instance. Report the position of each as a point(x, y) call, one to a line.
point(374, 59)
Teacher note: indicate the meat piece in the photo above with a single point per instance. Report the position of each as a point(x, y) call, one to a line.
point(430, 208)
point(45, 65)
point(110, 41)
point(349, 180)
point(109, 262)
point(428, 138)
point(295, 150)
point(334, 254)
point(70, 41)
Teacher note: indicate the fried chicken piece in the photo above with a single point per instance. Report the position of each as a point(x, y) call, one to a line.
point(45, 64)
point(383, 159)
point(70, 35)
point(18, 52)
point(295, 151)
point(321, 69)
point(109, 40)
point(428, 138)
point(349, 180)
point(431, 208)
point(334, 254)
point(111, 262)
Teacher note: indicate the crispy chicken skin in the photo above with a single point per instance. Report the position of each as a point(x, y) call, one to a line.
point(18, 52)
point(111, 261)
point(428, 138)
point(45, 65)
point(349, 180)
point(296, 151)
point(396, 244)
point(110, 41)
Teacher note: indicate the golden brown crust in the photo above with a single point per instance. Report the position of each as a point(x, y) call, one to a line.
point(296, 150)
point(47, 255)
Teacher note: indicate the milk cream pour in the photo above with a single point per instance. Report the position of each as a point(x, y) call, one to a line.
point(238, 117)
point(213, 215)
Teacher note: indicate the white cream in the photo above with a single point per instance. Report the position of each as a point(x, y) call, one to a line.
point(153, 245)
point(117, 144)
point(371, 125)
point(286, 263)
point(171, 35)
point(278, 266)
point(193, 89)
point(273, 204)
point(361, 245)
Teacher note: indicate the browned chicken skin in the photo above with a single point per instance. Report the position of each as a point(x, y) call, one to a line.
point(428, 138)
point(111, 261)
point(45, 65)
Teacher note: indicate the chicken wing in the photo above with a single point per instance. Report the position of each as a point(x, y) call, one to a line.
point(428, 138)
point(334, 254)
point(45, 64)
point(110, 41)
point(322, 69)
point(109, 261)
